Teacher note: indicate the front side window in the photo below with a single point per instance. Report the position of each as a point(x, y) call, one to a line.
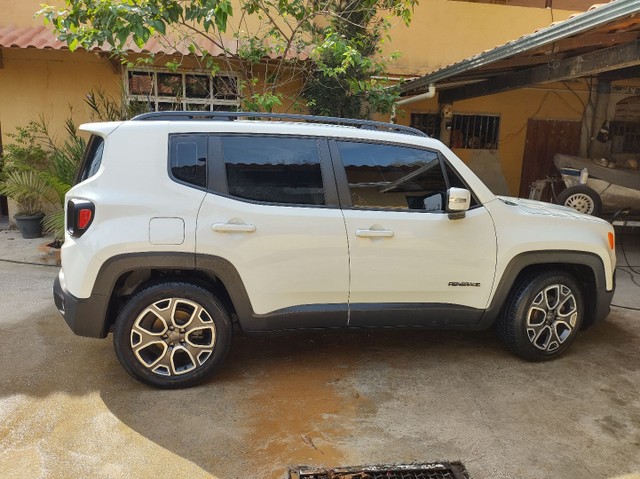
point(274, 169)
point(395, 177)
point(188, 159)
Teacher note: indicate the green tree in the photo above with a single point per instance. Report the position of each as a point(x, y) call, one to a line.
point(328, 49)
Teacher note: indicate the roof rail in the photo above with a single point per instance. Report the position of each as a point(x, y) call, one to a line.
point(235, 115)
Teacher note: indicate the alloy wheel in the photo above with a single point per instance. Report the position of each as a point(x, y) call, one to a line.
point(173, 336)
point(552, 317)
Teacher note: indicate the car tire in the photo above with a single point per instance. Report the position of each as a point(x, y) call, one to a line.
point(542, 315)
point(172, 335)
point(581, 198)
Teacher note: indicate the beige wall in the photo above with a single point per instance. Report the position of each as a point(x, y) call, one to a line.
point(515, 108)
point(20, 12)
point(444, 31)
point(45, 82)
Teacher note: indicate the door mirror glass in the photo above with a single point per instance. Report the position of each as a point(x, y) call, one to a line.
point(458, 201)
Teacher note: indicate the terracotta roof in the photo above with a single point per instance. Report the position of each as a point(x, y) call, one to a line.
point(29, 37)
point(43, 38)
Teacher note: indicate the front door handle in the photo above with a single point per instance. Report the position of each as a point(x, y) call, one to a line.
point(232, 228)
point(374, 233)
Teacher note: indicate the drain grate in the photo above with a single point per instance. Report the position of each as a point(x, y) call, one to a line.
point(436, 470)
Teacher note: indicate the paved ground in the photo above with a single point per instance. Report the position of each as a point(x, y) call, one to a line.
point(67, 409)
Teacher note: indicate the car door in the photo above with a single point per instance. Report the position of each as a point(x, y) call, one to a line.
point(273, 214)
point(410, 263)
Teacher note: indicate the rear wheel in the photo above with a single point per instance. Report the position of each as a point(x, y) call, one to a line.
point(542, 316)
point(581, 198)
point(172, 335)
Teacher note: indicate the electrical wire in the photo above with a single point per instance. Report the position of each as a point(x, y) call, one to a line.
point(632, 274)
point(626, 260)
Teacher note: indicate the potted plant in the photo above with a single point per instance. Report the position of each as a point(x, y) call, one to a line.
point(30, 191)
point(38, 171)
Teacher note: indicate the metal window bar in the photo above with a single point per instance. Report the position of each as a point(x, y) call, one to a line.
point(477, 131)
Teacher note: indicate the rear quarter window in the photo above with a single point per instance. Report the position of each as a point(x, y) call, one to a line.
point(188, 159)
point(92, 158)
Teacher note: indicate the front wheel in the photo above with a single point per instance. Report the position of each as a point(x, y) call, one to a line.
point(542, 316)
point(172, 335)
point(581, 198)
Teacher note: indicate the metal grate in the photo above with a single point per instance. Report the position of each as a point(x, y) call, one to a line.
point(438, 470)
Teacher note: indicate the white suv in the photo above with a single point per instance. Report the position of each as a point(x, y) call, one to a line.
point(185, 224)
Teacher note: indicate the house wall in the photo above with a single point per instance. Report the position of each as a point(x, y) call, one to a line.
point(46, 82)
point(515, 108)
point(445, 31)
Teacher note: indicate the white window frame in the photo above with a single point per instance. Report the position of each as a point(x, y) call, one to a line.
point(184, 101)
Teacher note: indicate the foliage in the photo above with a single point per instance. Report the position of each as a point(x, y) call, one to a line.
point(104, 107)
point(351, 88)
point(28, 188)
point(39, 169)
point(275, 46)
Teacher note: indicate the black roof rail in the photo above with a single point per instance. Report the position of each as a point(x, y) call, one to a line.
point(234, 115)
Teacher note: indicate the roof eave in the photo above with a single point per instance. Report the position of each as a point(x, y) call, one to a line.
point(580, 23)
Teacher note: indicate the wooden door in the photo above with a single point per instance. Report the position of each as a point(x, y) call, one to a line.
point(544, 139)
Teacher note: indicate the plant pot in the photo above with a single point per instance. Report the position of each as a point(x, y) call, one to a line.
point(30, 225)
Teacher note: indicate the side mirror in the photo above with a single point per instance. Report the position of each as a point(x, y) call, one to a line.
point(458, 202)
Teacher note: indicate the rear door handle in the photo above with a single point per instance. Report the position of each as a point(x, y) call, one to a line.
point(232, 228)
point(374, 233)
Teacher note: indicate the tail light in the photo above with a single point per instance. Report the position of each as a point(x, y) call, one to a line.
point(80, 215)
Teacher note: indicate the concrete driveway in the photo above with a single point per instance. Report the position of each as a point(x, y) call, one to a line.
point(67, 409)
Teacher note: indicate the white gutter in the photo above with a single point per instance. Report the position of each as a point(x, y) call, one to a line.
point(405, 101)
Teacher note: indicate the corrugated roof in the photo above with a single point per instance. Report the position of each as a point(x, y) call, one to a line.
point(603, 25)
point(43, 38)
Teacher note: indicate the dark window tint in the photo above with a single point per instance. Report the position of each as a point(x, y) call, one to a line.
point(275, 170)
point(188, 159)
point(387, 176)
point(92, 158)
point(456, 182)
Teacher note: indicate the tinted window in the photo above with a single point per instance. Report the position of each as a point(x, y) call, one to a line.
point(274, 169)
point(92, 158)
point(387, 176)
point(188, 159)
point(456, 182)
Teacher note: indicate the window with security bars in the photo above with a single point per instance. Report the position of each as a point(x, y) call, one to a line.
point(625, 136)
point(476, 132)
point(169, 91)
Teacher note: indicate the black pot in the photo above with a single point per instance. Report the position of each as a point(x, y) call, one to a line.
point(30, 225)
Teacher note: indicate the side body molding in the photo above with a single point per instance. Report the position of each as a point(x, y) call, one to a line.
point(98, 311)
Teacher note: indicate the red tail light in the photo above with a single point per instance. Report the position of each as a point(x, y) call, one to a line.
point(84, 218)
point(80, 215)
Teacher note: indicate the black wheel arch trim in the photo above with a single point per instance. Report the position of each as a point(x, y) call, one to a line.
point(93, 316)
point(598, 301)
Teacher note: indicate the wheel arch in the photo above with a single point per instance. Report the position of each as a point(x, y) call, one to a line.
point(586, 268)
point(124, 275)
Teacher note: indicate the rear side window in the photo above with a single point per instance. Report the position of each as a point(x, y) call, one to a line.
point(274, 169)
point(394, 177)
point(188, 159)
point(92, 158)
